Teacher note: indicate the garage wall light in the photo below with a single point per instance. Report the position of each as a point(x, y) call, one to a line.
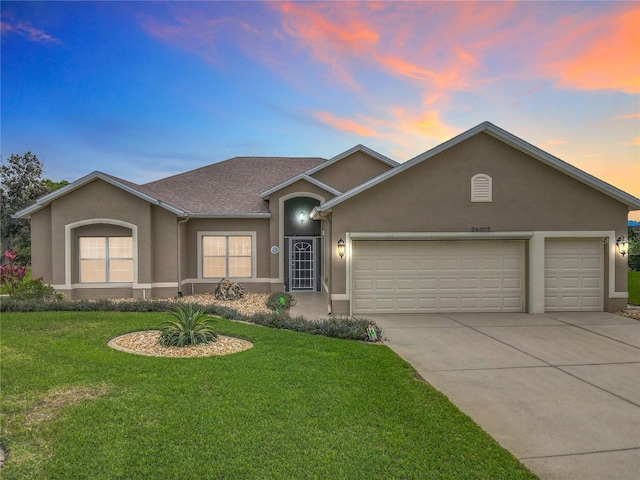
point(341, 248)
point(302, 217)
point(623, 245)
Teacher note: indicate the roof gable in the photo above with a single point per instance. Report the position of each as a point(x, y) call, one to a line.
point(486, 127)
point(351, 151)
point(129, 187)
point(265, 195)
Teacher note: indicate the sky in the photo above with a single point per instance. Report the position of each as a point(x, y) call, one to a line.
point(143, 90)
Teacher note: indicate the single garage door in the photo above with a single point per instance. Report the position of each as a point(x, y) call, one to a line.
point(438, 276)
point(573, 274)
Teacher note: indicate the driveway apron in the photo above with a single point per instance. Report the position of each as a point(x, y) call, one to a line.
point(561, 391)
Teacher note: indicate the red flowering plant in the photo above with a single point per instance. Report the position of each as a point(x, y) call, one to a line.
point(12, 275)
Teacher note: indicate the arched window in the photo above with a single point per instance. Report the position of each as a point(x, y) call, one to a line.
point(481, 188)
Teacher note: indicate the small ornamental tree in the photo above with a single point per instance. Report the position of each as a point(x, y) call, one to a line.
point(12, 275)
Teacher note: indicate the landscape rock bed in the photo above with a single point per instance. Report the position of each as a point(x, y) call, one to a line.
point(147, 343)
point(249, 304)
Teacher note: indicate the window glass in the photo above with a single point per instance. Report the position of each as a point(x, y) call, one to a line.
point(239, 246)
point(239, 266)
point(214, 267)
point(120, 270)
point(226, 256)
point(214, 246)
point(92, 271)
point(92, 247)
point(120, 247)
point(106, 259)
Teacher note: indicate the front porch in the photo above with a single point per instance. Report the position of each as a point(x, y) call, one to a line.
point(312, 306)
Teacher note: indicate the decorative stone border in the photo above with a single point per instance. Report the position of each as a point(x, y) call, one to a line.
point(146, 343)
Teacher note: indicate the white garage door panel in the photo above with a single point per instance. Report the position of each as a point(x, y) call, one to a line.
point(573, 274)
point(429, 277)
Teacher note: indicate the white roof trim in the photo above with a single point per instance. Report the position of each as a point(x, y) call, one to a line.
point(230, 215)
point(351, 151)
point(303, 176)
point(46, 200)
point(487, 127)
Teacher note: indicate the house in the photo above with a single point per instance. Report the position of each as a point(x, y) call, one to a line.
point(484, 222)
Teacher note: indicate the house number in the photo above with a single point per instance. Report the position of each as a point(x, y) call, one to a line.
point(480, 229)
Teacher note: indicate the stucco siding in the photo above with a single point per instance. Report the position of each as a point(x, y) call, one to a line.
point(351, 171)
point(165, 246)
point(435, 196)
point(41, 261)
point(231, 225)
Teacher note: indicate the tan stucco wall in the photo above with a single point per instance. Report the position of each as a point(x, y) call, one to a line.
point(190, 245)
point(99, 199)
point(41, 245)
point(156, 233)
point(351, 171)
point(434, 196)
point(164, 235)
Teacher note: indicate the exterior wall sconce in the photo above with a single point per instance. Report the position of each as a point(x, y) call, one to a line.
point(341, 248)
point(623, 245)
point(302, 217)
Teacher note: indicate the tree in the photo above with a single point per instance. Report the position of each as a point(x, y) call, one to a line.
point(21, 184)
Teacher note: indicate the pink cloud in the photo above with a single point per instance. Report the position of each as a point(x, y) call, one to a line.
point(345, 125)
point(24, 29)
point(408, 131)
point(605, 54)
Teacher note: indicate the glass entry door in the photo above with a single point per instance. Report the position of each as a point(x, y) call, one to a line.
point(303, 264)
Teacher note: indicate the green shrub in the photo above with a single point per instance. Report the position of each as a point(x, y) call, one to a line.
point(103, 305)
point(280, 302)
point(35, 288)
point(190, 327)
point(340, 327)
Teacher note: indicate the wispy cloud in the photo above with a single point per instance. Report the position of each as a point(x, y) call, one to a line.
point(24, 29)
point(627, 117)
point(409, 132)
point(345, 125)
point(608, 58)
point(423, 54)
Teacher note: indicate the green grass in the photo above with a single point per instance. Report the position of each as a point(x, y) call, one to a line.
point(294, 406)
point(634, 288)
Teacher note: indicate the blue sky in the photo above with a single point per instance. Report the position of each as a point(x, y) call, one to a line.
point(143, 90)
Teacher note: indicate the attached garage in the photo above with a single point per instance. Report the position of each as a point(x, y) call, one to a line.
point(573, 274)
point(412, 276)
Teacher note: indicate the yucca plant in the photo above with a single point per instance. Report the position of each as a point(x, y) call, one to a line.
point(191, 326)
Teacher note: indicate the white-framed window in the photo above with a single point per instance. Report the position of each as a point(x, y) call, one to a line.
point(106, 259)
point(481, 188)
point(226, 255)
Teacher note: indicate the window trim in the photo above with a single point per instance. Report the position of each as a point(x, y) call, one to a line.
point(69, 255)
point(227, 234)
point(107, 259)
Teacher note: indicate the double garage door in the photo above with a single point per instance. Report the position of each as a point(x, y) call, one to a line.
point(471, 276)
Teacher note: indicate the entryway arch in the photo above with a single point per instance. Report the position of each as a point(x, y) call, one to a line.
point(302, 244)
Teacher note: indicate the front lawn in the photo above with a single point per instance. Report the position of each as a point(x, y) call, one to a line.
point(294, 406)
point(634, 288)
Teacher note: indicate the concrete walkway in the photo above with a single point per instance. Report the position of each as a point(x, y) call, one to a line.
point(561, 391)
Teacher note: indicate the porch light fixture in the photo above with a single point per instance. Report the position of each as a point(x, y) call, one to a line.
point(302, 216)
point(341, 248)
point(623, 245)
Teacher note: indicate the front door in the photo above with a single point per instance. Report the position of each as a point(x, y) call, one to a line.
point(303, 264)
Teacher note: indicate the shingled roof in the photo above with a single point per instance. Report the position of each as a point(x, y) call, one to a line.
point(231, 187)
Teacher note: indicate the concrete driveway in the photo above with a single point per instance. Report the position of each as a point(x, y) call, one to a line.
point(561, 391)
